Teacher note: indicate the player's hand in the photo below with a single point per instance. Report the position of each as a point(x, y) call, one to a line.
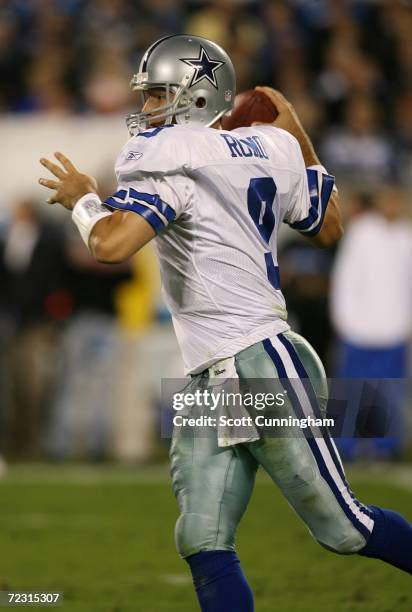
point(287, 118)
point(70, 185)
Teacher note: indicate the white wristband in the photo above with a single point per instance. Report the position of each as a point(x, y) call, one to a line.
point(86, 213)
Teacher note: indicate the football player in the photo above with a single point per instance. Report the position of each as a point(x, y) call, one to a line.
point(213, 202)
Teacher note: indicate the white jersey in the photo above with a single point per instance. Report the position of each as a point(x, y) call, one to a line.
point(216, 200)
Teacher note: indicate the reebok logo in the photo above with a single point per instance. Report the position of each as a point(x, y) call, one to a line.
point(134, 155)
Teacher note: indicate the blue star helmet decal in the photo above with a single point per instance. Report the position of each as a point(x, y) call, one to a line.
point(205, 68)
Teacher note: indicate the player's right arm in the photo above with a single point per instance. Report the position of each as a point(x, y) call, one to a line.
point(111, 235)
point(118, 236)
point(140, 210)
point(144, 204)
point(331, 229)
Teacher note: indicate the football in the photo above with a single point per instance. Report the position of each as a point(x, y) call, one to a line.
point(250, 106)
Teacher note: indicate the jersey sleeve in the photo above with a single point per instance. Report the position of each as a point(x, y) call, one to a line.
point(152, 179)
point(159, 200)
point(309, 197)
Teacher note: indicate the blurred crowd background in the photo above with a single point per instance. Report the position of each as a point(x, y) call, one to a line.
point(83, 345)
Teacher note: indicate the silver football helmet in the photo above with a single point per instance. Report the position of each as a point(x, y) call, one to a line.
point(198, 78)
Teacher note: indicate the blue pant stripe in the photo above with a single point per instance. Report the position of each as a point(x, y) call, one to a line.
point(274, 355)
point(310, 392)
point(300, 368)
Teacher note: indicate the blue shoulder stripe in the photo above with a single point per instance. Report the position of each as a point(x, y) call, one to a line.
point(142, 210)
point(316, 214)
point(155, 200)
point(314, 203)
point(134, 200)
point(121, 194)
point(327, 185)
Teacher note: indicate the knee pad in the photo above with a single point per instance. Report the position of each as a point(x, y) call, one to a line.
point(195, 532)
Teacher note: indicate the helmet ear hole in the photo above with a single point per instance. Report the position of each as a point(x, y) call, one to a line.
point(201, 102)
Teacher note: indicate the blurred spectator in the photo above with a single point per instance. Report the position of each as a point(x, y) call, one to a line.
point(137, 366)
point(371, 297)
point(35, 299)
point(47, 91)
point(56, 54)
point(403, 136)
point(82, 404)
point(234, 28)
point(14, 57)
point(107, 87)
point(305, 274)
point(359, 150)
point(215, 21)
point(34, 273)
point(280, 57)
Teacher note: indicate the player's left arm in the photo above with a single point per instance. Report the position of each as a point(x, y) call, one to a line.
point(330, 230)
point(112, 237)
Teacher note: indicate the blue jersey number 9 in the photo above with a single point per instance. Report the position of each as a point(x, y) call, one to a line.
point(260, 198)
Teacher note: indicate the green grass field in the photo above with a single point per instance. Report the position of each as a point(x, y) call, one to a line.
point(104, 536)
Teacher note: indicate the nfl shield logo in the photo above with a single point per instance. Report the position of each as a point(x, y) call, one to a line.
point(228, 95)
